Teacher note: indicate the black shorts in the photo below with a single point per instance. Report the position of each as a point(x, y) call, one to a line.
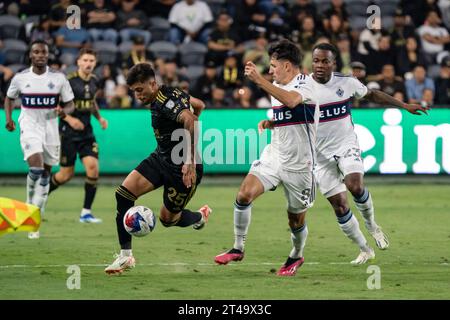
point(160, 173)
point(70, 148)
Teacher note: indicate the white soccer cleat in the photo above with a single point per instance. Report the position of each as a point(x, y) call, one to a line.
point(121, 264)
point(380, 238)
point(364, 256)
point(34, 235)
point(89, 218)
point(205, 212)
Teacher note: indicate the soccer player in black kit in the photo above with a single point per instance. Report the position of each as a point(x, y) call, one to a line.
point(180, 175)
point(84, 84)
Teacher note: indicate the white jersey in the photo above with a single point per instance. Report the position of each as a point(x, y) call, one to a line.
point(40, 94)
point(336, 131)
point(294, 133)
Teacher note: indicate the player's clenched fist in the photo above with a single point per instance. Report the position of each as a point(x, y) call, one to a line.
point(251, 72)
point(10, 125)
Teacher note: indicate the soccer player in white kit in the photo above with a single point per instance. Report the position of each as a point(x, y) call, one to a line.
point(339, 163)
point(289, 158)
point(41, 90)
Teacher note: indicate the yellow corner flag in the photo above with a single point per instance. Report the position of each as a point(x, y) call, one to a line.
point(18, 216)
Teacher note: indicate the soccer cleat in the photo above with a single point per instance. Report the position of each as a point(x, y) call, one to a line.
point(89, 218)
point(205, 211)
point(232, 255)
point(364, 256)
point(380, 238)
point(34, 235)
point(289, 269)
point(121, 264)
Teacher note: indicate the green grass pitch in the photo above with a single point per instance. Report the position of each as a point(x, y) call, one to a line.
point(177, 263)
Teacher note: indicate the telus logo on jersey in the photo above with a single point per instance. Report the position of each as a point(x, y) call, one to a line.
point(284, 116)
point(40, 101)
point(334, 111)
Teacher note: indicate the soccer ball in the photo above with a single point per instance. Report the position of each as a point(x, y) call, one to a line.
point(139, 221)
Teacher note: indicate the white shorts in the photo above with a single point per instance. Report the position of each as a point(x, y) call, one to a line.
point(40, 137)
point(299, 187)
point(330, 173)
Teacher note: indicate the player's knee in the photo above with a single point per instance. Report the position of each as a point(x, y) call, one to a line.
point(245, 196)
point(167, 218)
point(63, 177)
point(355, 188)
point(296, 220)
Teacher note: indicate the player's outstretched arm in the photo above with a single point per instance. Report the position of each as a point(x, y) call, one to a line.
point(188, 119)
point(9, 106)
point(382, 98)
point(289, 98)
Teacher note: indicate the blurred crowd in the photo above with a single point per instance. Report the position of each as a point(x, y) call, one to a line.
point(202, 46)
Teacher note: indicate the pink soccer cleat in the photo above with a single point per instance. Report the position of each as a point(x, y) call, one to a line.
point(232, 255)
point(289, 269)
point(205, 212)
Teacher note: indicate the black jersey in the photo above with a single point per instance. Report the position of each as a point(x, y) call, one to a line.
point(169, 103)
point(84, 92)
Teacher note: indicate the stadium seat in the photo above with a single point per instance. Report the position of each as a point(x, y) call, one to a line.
point(29, 23)
point(10, 27)
point(106, 52)
point(388, 8)
point(17, 67)
point(194, 72)
point(14, 51)
point(192, 53)
point(358, 23)
point(159, 28)
point(125, 48)
point(216, 6)
point(357, 8)
point(387, 22)
point(433, 71)
point(163, 50)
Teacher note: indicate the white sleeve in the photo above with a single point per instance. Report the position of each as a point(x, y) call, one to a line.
point(207, 17)
point(357, 89)
point(14, 88)
point(173, 14)
point(66, 91)
point(305, 88)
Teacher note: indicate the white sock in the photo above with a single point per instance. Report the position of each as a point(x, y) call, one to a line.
point(365, 207)
point(350, 226)
point(41, 193)
point(33, 176)
point(126, 253)
point(242, 217)
point(298, 238)
point(85, 211)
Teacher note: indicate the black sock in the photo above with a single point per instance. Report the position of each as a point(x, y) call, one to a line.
point(125, 200)
point(187, 218)
point(53, 184)
point(290, 261)
point(90, 188)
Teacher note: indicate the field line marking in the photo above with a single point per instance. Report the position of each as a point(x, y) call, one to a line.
point(197, 264)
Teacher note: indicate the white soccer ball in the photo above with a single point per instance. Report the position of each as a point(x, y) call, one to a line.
point(139, 221)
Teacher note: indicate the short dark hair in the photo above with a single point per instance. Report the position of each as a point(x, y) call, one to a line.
point(286, 50)
point(38, 41)
point(327, 47)
point(140, 72)
point(87, 51)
